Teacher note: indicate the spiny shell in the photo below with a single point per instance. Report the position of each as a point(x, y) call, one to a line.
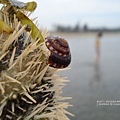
point(27, 84)
point(60, 56)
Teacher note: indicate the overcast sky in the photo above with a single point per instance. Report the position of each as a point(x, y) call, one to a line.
point(94, 13)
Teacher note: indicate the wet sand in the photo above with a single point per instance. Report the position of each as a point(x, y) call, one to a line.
point(89, 82)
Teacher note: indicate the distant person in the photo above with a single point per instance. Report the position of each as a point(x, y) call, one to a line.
point(97, 47)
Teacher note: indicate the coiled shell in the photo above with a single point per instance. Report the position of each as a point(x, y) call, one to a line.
point(60, 56)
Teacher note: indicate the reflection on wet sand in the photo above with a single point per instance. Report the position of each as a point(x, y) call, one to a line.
point(96, 74)
point(91, 82)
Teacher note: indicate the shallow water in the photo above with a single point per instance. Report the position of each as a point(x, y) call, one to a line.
point(91, 82)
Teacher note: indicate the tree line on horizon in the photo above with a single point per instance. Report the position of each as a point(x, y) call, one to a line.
point(85, 28)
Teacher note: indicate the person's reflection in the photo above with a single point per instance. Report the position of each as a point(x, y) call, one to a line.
point(96, 75)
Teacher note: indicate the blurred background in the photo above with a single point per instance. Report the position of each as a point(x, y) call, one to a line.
point(82, 14)
point(79, 22)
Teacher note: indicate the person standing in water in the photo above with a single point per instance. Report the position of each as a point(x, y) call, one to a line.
point(97, 47)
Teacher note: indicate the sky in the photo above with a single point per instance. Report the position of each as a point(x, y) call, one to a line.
point(94, 13)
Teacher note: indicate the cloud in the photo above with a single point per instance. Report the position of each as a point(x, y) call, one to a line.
point(92, 12)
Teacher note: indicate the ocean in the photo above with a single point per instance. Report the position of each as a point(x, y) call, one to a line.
point(94, 88)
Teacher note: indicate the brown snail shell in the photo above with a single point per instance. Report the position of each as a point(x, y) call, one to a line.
point(60, 56)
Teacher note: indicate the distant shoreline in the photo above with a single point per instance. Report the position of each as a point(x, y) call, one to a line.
point(70, 34)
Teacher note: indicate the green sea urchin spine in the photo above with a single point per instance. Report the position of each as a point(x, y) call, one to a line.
point(29, 87)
